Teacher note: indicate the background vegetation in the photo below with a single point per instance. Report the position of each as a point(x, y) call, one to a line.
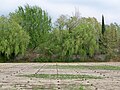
point(28, 34)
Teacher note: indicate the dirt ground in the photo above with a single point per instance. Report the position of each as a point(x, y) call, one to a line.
point(10, 78)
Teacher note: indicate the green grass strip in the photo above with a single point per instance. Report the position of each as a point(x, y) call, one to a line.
point(103, 67)
point(62, 76)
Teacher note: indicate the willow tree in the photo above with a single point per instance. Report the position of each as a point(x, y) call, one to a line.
point(36, 22)
point(13, 39)
point(82, 41)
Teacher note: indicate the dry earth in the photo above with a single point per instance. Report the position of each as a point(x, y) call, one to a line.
point(10, 79)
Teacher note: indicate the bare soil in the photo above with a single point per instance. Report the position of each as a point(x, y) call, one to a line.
point(10, 78)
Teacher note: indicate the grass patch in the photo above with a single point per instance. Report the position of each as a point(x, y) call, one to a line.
point(74, 86)
point(103, 67)
point(43, 87)
point(62, 76)
point(81, 87)
point(62, 87)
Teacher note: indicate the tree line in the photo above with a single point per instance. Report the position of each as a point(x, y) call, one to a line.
point(28, 32)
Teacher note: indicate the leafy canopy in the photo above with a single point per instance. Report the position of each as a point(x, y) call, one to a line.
point(13, 39)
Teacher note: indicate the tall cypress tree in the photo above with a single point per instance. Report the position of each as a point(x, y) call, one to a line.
point(104, 44)
point(102, 39)
point(103, 25)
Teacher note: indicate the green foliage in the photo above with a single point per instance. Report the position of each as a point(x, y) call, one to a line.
point(13, 39)
point(73, 38)
point(36, 22)
point(112, 39)
point(80, 41)
point(85, 39)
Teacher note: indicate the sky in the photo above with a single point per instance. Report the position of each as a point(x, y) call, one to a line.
point(87, 8)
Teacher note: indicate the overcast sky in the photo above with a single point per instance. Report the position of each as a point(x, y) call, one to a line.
point(88, 8)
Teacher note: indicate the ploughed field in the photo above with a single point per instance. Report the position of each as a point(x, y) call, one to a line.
point(60, 76)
